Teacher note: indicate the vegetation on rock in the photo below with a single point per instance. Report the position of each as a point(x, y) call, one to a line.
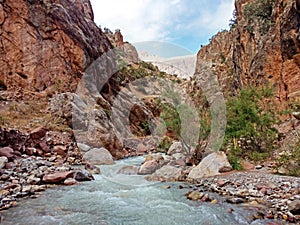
point(250, 125)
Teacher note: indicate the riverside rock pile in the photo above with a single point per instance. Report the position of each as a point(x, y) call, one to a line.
point(31, 163)
point(275, 197)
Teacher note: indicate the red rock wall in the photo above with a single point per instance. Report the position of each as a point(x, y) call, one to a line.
point(46, 45)
point(247, 55)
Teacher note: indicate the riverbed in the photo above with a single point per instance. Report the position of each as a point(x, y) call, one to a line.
point(114, 198)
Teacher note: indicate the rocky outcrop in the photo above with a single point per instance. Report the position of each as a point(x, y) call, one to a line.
point(211, 165)
point(263, 46)
point(46, 45)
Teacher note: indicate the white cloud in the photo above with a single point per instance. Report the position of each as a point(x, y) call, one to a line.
point(163, 20)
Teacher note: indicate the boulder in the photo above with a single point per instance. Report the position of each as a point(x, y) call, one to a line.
point(166, 173)
point(83, 147)
point(141, 149)
point(38, 133)
point(60, 150)
point(81, 175)
point(9, 153)
point(194, 195)
point(99, 156)
point(70, 181)
point(176, 147)
point(157, 157)
point(57, 177)
point(148, 167)
point(3, 161)
point(210, 165)
point(294, 207)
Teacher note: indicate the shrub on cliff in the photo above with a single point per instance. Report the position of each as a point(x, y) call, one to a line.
point(250, 125)
point(259, 13)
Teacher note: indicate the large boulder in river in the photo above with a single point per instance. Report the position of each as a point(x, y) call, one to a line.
point(148, 167)
point(151, 164)
point(211, 165)
point(99, 156)
point(166, 174)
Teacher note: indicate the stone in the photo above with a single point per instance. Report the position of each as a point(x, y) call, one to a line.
point(194, 195)
point(44, 147)
point(141, 149)
point(179, 156)
point(157, 157)
point(282, 170)
point(148, 167)
point(176, 147)
point(8, 152)
point(83, 147)
point(214, 201)
point(247, 165)
point(129, 170)
point(222, 183)
point(70, 181)
point(166, 173)
point(38, 133)
point(57, 177)
point(3, 161)
point(235, 200)
point(99, 156)
point(294, 207)
point(60, 150)
point(81, 175)
point(92, 168)
point(210, 165)
point(258, 167)
point(33, 180)
point(296, 115)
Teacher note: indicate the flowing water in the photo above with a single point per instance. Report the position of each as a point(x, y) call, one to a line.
point(121, 199)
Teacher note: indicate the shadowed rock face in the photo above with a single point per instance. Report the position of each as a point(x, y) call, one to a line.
point(46, 45)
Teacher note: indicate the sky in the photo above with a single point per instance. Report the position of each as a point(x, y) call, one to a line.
point(185, 23)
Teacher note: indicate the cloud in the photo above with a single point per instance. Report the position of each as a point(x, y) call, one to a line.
point(175, 21)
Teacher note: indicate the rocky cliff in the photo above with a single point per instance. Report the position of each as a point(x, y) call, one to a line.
point(262, 46)
point(46, 45)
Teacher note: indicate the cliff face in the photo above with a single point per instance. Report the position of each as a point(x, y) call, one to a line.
point(263, 46)
point(46, 45)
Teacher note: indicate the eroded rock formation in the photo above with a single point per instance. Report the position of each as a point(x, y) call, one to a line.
point(46, 45)
point(263, 46)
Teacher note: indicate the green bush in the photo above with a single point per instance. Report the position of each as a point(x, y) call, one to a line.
point(250, 124)
point(259, 12)
point(171, 118)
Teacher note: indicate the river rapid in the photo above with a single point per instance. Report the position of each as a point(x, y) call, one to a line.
point(114, 198)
